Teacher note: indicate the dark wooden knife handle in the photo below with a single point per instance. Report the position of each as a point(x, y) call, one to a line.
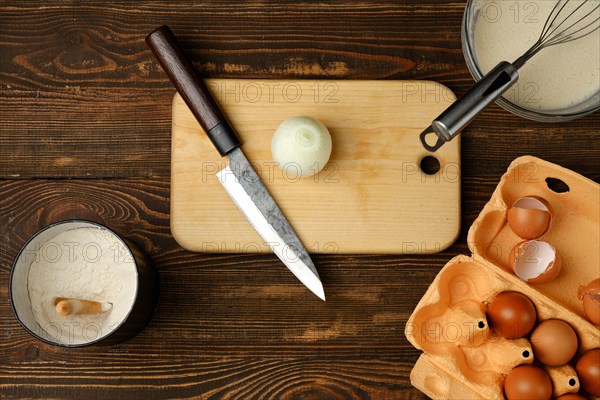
point(192, 89)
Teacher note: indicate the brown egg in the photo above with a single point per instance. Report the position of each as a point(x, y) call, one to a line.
point(590, 297)
point(571, 396)
point(554, 342)
point(511, 315)
point(527, 382)
point(535, 261)
point(529, 217)
point(588, 371)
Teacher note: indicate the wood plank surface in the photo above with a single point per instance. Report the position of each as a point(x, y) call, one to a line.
point(225, 323)
point(85, 133)
point(372, 193)
point(79, 88)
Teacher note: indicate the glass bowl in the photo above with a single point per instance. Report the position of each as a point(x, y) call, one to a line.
point(471, 16)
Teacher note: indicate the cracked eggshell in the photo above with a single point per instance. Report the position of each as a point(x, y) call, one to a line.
point(590, 298)
point(529, 217)
point(535, 261)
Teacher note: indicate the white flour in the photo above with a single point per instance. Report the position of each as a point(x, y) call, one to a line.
point(557, 77)
point(86, 263)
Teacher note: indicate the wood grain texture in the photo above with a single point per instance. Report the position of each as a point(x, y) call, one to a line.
point(226, 324)
point(373, 179)
point(78, 85)
point(178, 67)
point(85, 108)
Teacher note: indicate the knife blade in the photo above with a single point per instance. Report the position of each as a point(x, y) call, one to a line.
point(239, 178)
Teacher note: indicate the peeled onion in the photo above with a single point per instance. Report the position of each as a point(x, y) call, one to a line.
point(301, 146)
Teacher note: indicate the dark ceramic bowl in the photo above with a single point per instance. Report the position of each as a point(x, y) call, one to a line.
point(138, 315)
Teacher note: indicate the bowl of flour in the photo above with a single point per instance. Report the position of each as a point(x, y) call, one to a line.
point(82, 260)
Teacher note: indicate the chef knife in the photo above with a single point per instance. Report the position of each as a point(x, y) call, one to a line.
point(239, 178)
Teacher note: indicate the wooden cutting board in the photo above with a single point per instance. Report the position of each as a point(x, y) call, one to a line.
point(372, 197)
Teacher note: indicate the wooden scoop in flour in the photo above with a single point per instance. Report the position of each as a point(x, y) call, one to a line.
point(65, 306)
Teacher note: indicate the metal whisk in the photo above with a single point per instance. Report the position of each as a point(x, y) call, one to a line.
point(569, 20)
point(564, 24)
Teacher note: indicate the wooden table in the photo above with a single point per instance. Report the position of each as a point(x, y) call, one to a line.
point(85, 133)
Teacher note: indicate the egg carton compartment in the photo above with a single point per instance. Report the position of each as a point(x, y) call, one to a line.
point(574, 231)
point(463, 358)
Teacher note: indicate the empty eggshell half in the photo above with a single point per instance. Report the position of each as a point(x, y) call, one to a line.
point(590, 298)
point(535, 261)
point(529, 217)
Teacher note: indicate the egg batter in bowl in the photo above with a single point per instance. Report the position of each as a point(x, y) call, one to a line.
point(559, 82)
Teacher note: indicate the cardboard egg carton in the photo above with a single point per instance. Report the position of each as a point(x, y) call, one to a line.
point(462, 358)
